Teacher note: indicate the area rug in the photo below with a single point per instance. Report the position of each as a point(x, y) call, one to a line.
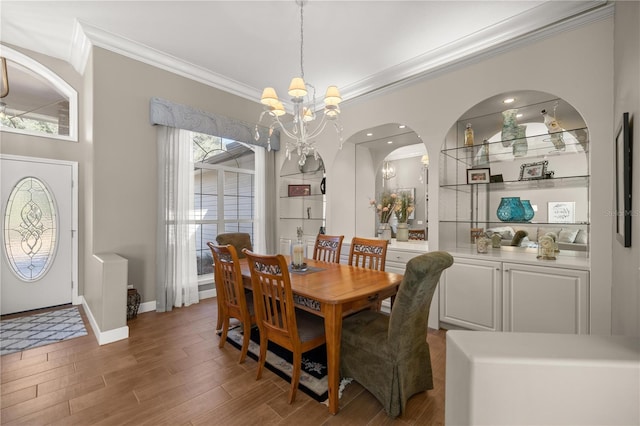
point(313, 378)
point(19, 334)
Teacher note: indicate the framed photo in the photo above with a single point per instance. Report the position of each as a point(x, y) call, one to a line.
point(496, 179)
point(561, 212)
point(299, 190)
point(531, 171)
point(623, 181)
point(478, 175)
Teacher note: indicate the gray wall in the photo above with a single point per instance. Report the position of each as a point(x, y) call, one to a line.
point(626, 261)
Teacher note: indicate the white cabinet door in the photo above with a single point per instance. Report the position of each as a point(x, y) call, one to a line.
point(545, 300)
point(471, 294)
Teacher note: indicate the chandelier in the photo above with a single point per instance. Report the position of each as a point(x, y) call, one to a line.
point(303, 127)
point(388, 171)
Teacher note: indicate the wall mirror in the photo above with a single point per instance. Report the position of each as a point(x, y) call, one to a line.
point(377, 150)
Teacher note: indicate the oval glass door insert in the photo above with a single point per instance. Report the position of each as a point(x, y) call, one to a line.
point(30, 227)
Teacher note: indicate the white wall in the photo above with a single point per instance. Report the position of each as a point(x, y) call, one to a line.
point(431, 106)
point(626, 261)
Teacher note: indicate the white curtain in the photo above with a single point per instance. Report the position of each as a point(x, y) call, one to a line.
point(177, 277)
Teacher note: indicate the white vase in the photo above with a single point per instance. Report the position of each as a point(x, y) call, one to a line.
point(402, 233)
point(384, 231)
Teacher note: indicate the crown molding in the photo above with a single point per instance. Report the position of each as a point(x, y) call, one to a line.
point(158, 59)
point(540, 22)
point(513, 33)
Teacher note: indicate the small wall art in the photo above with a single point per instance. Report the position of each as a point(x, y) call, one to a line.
point(561, 211)
point(531, 171)
point(299, 190)
point(479, 175)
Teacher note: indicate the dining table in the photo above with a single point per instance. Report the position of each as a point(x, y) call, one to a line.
point(333, 291)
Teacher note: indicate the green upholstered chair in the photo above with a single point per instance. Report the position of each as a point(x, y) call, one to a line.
point(239, 240)
point(389, 354)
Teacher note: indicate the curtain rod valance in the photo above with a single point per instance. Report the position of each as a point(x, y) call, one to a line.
point(167, 113)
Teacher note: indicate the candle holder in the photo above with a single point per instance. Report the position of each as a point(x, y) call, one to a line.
point(299, 253)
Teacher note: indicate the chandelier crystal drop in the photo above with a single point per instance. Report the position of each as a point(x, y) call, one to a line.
point(303, 127)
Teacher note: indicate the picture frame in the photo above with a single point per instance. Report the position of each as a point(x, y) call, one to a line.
point(480, 175)
point(623, 165)
point(532, 171)
point(299, 190)
point(496, 178)
point(561, 211)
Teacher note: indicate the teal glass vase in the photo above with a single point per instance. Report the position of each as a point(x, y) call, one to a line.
point(528, 210)
point(510, 210)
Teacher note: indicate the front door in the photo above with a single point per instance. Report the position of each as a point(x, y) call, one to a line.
point(38, 233)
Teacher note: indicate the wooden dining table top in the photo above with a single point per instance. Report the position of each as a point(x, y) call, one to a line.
point(336, 283)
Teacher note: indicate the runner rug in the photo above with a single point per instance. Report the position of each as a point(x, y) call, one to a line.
point(313, 378)
point(19, 334)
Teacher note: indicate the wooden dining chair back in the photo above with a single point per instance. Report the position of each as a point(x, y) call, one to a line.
point(327, 248)
point(389, 354)
point(278, 319)
point(233, 301)
point(239, 240)
point(417, 234)
point(368, 253)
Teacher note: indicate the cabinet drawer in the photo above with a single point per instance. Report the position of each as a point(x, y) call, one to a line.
point(397, 256)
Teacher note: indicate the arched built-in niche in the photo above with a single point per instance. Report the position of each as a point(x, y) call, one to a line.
point(372, 147)
point(543, 167)
point(38, 102)
point(302, 197)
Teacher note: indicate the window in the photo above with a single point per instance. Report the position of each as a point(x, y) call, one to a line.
point(30, 227)
point(39, 102)
point(224, 192)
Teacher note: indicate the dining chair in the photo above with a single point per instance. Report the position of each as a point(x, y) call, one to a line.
point(278, 319)
point(368, 253)
point(233, 301)
point(239, 240)
point(327, 248)
point(417, 234)
point(389, 354)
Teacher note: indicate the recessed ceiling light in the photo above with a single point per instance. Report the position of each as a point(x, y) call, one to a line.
point(518, 115)
point(369, 134)
point(402, 126)
point(508, 100)
point(389, 142)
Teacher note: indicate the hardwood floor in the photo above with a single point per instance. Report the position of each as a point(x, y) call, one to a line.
point(170, 371)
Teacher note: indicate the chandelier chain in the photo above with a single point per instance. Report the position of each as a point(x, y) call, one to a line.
point(302, 40)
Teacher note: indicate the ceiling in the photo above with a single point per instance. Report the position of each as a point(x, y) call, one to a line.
point(244, 46)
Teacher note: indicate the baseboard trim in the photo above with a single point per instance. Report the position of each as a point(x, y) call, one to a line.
point(104, 337)
point(151, 306)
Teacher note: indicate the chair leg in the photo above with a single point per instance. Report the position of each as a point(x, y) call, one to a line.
point(225, 329)
point(246, 328)
point(263, 354)
point(296, 366)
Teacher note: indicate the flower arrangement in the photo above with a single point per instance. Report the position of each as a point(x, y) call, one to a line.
point(403, 206)
point(398, 203)
point(385, 207)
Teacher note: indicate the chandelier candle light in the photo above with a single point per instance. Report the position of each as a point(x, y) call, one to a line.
point(299, 130)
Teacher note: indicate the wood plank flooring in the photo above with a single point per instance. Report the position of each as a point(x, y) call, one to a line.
point(171, 372)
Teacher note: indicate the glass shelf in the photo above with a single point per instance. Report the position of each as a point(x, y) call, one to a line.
point(497, 222)
point(538, 146)
point(558, 182)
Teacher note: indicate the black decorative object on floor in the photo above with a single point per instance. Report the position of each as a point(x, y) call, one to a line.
point(133, 303)
point(313, 378)
point(22, 333)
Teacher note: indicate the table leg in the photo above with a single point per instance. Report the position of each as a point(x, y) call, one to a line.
point(333, 334)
